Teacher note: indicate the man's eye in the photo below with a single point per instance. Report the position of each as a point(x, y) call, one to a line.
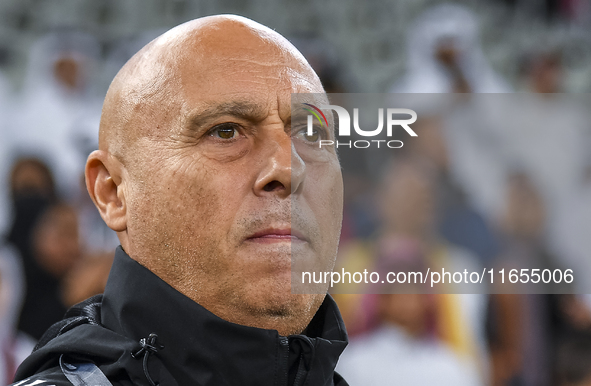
point(310, 138)
point(314, 137)
point(225, 131)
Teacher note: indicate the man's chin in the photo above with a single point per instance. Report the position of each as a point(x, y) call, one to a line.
point(285, 312)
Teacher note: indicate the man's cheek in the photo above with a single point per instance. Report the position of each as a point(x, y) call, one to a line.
point(202, 215)
point(325, 189)
point(327, 203)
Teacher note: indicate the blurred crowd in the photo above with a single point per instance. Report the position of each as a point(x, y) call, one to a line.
point(488, 197)
point(56, 250)
point(500, 181)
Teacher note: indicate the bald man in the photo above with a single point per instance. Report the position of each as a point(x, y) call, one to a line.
point(211, 192)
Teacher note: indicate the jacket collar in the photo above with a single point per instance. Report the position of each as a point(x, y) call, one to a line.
point(201, 348)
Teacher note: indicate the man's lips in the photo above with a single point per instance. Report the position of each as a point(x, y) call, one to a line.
point(277, 235)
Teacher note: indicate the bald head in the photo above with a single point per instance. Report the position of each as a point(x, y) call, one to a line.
point(148, 91)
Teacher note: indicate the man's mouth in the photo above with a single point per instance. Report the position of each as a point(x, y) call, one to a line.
point(273, 235)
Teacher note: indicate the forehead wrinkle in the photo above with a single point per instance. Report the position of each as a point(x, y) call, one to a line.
point(241, 108)
point(265, 65)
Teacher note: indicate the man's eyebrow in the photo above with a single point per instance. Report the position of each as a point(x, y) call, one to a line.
point(241, 109)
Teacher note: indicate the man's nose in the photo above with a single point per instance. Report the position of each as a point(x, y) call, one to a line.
point(283, 170)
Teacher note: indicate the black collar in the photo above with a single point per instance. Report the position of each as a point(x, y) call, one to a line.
point(201, 348)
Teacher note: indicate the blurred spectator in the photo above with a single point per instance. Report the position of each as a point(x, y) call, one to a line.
point(525, 328)
point(444, 55)
point(402, 347)
point(46, 236)
point(398, 352)
point(32, 190)
point(55, 250)
point(58, 111)
point(33, 193)
point(31, 177)
point(408, 209)
point(14, 346)
point(56, 240)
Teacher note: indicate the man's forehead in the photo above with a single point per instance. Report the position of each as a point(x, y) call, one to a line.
point(253, 92)
point(208, 63)
point(248, 63)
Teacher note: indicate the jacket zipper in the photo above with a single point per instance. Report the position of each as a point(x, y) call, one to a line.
point(283, 361)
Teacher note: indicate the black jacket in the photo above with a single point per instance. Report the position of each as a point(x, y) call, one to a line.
point(199, 348)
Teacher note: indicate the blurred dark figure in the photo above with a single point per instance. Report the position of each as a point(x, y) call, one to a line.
point(45, 233)
point(32, 177)
point(55, 249)
point(14, 346)
point(525, 329)
point(36, 236)
point(32, 190)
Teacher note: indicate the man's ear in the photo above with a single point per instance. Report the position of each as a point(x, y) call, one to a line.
point(105, 186)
